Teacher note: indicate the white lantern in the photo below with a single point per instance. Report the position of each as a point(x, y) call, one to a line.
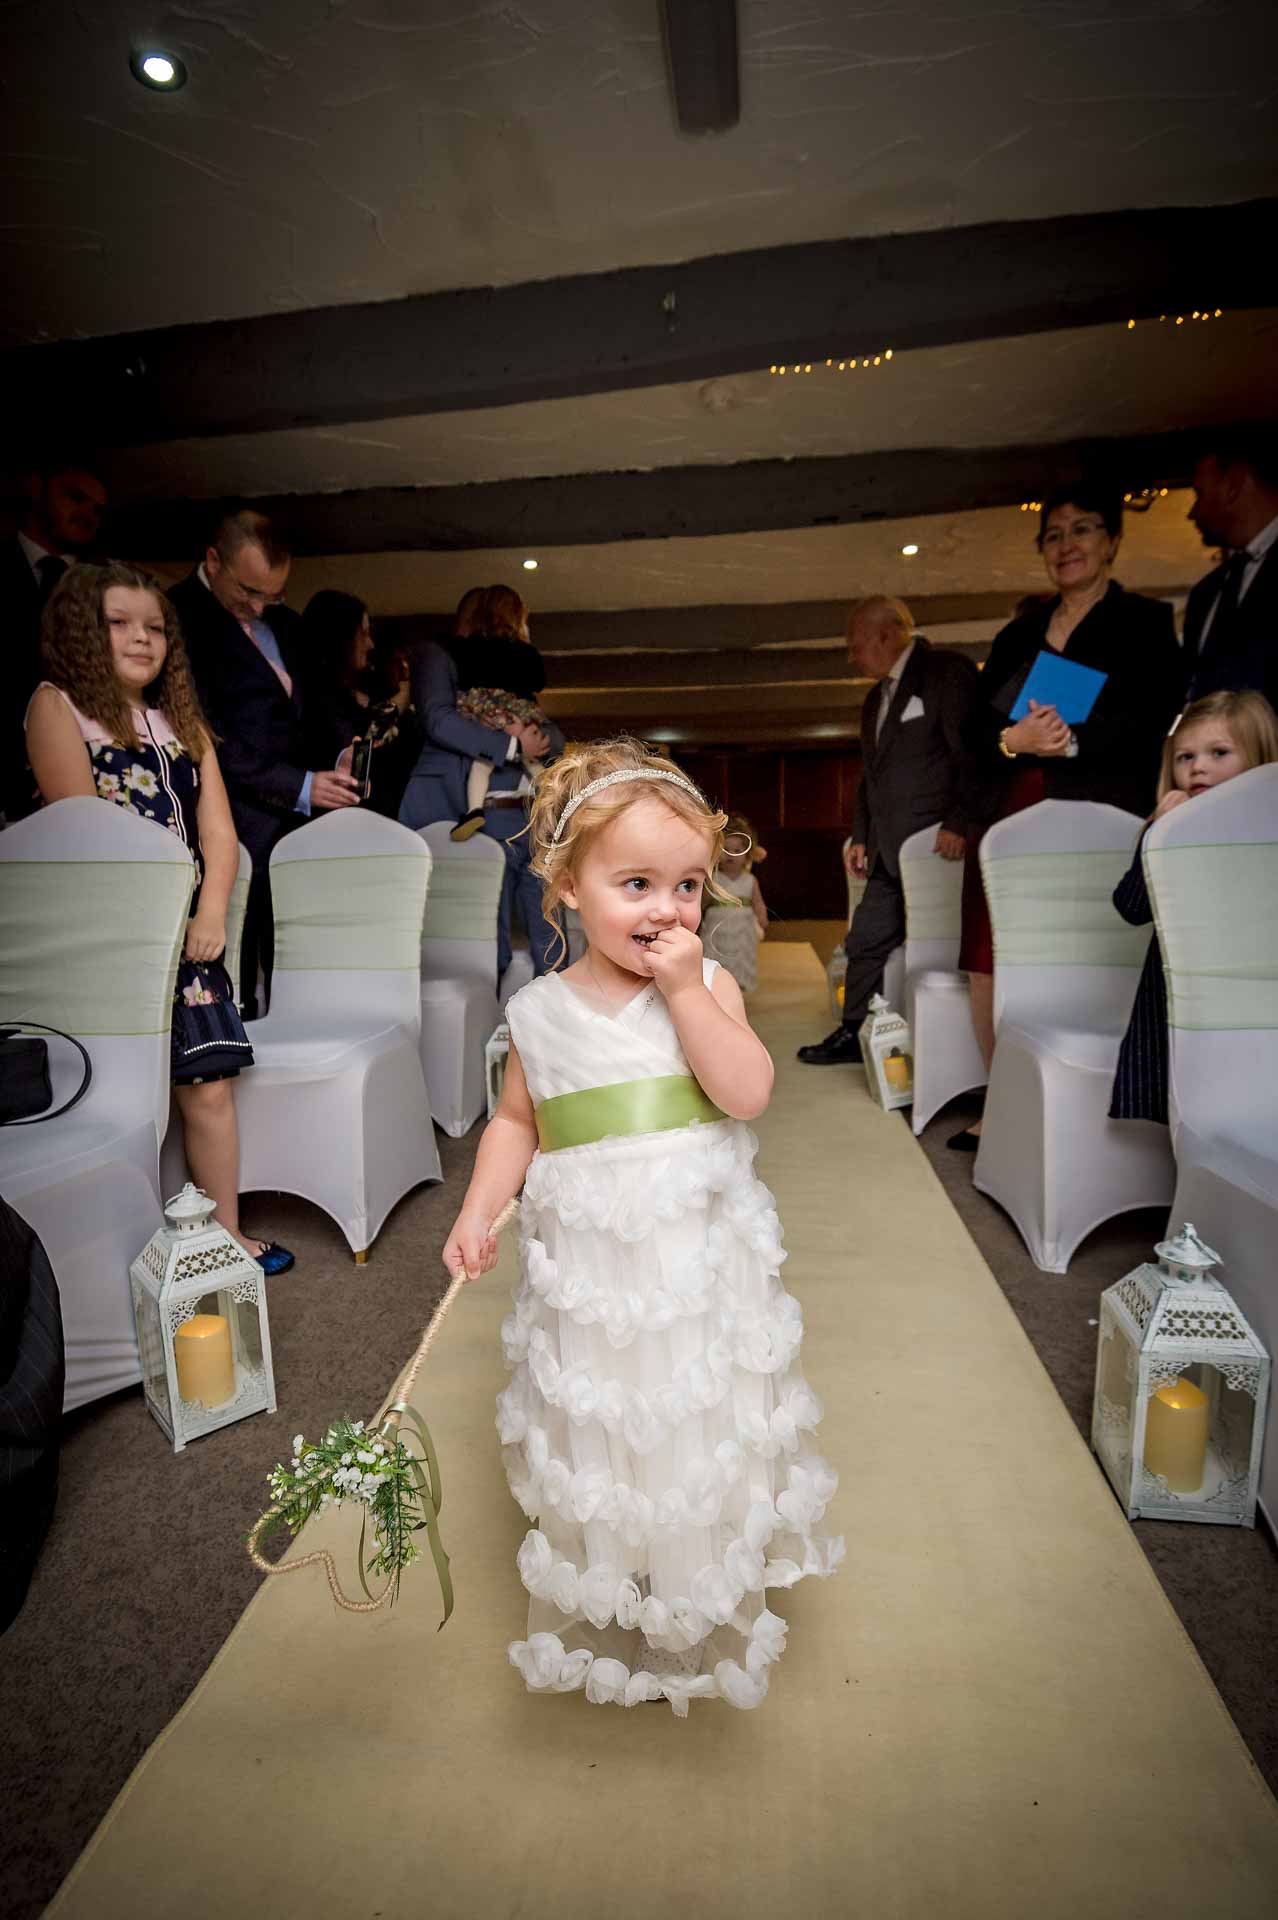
point(1182, 1384)
point(888, 1054)
point(199, 1305)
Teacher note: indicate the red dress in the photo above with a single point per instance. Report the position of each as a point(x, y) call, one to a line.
point(1026, 788)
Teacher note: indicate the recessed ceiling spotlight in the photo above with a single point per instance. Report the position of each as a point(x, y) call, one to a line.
point(911, 549)
point(530, 566)
point(163, 72)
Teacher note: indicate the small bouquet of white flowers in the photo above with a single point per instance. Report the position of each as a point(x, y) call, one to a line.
point(399, 1491)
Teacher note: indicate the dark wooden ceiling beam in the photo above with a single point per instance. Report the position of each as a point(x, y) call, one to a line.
point(705, 629)
point(641, 326)
point(582, 676)
point(813, 728)
point(593, 509)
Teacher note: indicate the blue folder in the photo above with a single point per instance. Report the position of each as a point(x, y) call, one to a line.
point(1057, 682)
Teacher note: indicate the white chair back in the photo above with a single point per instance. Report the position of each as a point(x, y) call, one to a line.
point(1212, 869)
point(235, 911)
point(1063, 955)
point(459, 936)
point(933, 900)
point(349, 893)
point(93, 910)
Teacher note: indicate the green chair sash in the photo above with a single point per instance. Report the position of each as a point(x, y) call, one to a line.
point(1216, 909)
point(1057, 910)
point(933, 897)
point(629, 1106)
point(463, 899)
point(361, 914)
point(92, 946)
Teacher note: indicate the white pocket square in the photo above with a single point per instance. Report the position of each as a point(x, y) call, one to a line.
point(912, 710)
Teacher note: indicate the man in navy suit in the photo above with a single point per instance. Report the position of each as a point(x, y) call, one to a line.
point(65, 501)
point(1231, 621)
point(245, 648)
point(437, 789)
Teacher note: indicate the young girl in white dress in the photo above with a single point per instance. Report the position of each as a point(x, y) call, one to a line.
point(656, 1430)
point(730, 936)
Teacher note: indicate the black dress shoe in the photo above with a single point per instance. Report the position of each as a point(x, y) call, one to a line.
point(842, 1048)
point(965, 1142)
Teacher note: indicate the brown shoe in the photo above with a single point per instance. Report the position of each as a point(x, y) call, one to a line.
point(468, 825)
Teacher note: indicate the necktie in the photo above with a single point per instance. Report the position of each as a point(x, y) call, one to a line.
point(267, 645)
point(1230, 594)
point(887, 694)
point(51, 567)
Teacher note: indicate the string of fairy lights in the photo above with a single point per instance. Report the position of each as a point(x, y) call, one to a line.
point(881, 359)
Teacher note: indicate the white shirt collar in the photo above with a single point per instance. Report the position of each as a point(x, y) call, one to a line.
point(892, 678)
point(36, 553)
point(1260, 546)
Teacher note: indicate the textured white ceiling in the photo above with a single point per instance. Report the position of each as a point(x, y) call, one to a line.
point(1053, 386)
point(983, 552)
point(341, 150)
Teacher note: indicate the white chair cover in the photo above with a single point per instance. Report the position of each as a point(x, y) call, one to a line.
point(335, 1108)
point(1212, 869)
point(947, 1060)
point(459, 973)
point(517, 975)
point(1065, 973)
point(93, 907)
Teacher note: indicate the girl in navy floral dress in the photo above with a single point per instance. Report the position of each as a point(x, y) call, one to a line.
point(118, 718)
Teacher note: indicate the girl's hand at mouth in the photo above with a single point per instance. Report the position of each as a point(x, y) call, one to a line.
point(673, 958)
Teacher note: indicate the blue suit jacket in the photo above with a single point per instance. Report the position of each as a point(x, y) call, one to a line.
point(453, 741)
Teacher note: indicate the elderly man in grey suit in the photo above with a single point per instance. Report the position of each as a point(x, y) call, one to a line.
point(911, 730)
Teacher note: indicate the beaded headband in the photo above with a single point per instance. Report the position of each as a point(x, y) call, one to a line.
point(614, 780)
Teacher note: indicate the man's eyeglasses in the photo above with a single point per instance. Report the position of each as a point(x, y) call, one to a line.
point(262, 600)
point(1079, 531)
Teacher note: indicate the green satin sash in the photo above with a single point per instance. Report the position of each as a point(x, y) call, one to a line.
point(630, 1106)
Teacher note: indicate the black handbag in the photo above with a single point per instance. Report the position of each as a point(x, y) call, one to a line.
point(208, 1041)
point(25, 1087)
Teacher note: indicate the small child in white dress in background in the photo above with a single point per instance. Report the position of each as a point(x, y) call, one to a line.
point(656, 1428)
point(729, 935)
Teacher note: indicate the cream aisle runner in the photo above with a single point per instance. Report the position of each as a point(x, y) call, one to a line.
point(991, 1710)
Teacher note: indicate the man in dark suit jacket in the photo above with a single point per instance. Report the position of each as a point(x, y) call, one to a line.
point(64, 506)
point(1231, 621)
point(245, 648)
point(911, 743)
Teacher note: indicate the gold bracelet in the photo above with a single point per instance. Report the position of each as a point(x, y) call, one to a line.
point(1007, 752)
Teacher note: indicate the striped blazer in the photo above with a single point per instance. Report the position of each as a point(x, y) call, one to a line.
point(1140, 1084)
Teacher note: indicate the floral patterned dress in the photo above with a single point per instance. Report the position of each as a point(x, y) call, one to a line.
point(160, 781)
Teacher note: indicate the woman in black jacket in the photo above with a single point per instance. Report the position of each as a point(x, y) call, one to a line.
point(1112, 756)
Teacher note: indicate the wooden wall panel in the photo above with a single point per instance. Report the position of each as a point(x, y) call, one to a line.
point(800, 805)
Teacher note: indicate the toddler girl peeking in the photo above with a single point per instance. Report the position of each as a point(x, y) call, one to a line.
point(731, 936)
point(656, 1425)
point(1215, 738)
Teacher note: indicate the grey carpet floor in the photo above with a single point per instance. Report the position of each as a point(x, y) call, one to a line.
point(144, 1573)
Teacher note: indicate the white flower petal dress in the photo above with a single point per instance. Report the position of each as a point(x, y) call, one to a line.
point(656, 1429)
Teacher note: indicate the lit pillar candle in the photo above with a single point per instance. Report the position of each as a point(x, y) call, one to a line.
point(1176, 1435)
point(202, 1351)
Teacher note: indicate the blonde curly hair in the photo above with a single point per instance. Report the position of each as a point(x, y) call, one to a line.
point(75, 642)
point(579, 764)
point(1250, 719)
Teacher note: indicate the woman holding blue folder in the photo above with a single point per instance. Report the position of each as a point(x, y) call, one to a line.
point(1079, 691)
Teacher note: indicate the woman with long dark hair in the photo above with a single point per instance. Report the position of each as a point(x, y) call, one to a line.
point(352, 696)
